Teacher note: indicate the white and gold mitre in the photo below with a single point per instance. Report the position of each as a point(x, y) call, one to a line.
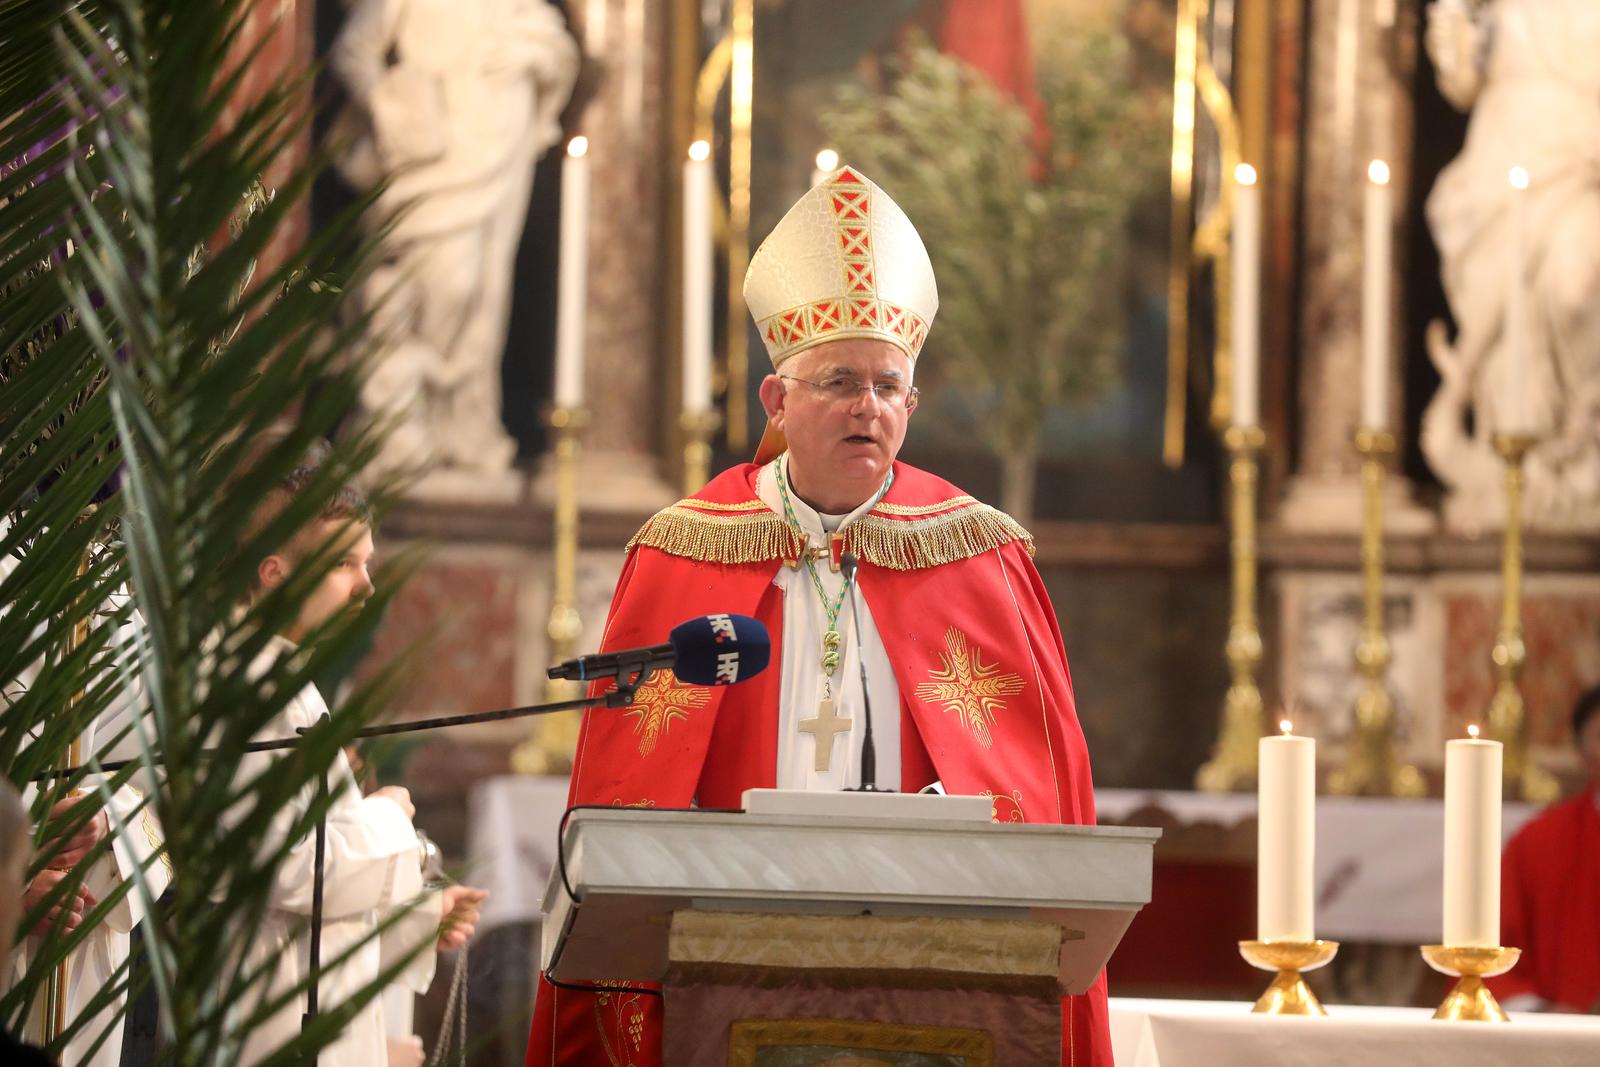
point(844, 262)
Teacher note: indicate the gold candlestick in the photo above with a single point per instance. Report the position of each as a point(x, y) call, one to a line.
point(1288, 994)
point(1469, 999)
point(549, 747)
point(1372, 766)
point(1233, 760)
point(697, 426)
point(1507, 719)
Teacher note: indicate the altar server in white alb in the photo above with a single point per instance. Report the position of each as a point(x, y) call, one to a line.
point(373, 862)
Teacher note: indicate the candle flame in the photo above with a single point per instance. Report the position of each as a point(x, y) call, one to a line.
point(1472, 730)
point(827, 161)
point(578, 146)
point(1378, 172)
point(1519, 178)
point(1244, 174)
point(1286, 726)
point(700, 150)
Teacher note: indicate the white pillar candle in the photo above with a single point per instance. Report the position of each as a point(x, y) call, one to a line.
point(1472, 769)
point(1246, 297)
point(573, 278)
point(697, 278)
point(1286, 828)
point(1375, 272)
point(827, 163)
point(1516, 417)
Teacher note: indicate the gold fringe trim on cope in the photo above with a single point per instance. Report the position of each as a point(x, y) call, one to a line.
point(751, 533)
point(751, 537)
point(915, 544)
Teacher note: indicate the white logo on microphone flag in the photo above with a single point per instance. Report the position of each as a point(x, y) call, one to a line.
point(721, 628)
point(727, 668)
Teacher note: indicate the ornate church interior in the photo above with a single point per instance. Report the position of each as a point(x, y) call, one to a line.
point(1177, 420)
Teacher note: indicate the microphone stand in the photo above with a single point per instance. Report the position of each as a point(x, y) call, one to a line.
point(869, 750)
point(630, 675)
point(314, 952)
point(629, 678)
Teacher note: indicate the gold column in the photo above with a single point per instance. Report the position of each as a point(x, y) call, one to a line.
point(1233, 761)
point(1372, 767)
point(741, 96)
point(1507, 716)
point(554, 738)
point(1178, 270)
point(1195, 83)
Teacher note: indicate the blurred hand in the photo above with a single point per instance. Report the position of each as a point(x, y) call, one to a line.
point(75, 848)
point(400, 795)
point(406, 1052)
point(459, 907)
point(67, 914)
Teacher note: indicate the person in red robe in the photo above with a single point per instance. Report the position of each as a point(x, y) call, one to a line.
point(842, 292)
point(1550, 893)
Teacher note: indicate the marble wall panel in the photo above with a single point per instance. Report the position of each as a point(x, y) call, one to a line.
point(1322, 615)
point(1561, 629)
point(456, 627)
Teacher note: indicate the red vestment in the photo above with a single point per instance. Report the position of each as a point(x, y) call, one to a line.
point(986, 699)
point(1550, 906)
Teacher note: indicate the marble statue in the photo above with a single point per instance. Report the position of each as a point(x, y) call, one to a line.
point(1529, 73)
point(451, 103)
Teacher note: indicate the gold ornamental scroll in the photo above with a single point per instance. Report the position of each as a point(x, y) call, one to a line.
point(1196, 84)
point(732, 63)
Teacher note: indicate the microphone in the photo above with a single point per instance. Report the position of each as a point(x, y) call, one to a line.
point(869, 751)
point(708, 650)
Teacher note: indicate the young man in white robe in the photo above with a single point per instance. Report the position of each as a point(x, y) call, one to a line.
point(372, 865)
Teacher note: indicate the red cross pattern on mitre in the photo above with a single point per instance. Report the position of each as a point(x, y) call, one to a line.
point(863, 312)
point(797, 308)
point(825, 316)
point(855, 242)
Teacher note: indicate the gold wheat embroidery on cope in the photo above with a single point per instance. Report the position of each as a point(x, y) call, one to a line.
point(969, 687)
point(658, 702)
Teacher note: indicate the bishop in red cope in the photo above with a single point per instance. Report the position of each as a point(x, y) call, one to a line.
point(967, 673)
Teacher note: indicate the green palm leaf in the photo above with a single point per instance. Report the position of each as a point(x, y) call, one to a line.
point(138, 344)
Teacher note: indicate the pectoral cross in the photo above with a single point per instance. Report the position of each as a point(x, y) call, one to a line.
point(823, 727)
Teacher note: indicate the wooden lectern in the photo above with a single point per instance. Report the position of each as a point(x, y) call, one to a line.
point(845, 928)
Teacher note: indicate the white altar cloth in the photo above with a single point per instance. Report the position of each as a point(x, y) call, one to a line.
point(1206, 1033)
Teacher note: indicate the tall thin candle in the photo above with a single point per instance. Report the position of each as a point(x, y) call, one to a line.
point(1516, 418)
point(697, 278)
point(1246, 393)
point(573, 280)
point(1377, 248)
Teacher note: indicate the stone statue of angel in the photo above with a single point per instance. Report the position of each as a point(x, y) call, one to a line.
point(1529, 74)
point(451, 102)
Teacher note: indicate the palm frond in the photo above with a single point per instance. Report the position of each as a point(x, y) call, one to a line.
point(145, 360)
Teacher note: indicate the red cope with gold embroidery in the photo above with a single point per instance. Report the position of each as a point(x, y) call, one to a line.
point(986, 706)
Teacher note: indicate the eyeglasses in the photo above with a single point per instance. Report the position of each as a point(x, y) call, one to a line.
point(844, 390)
